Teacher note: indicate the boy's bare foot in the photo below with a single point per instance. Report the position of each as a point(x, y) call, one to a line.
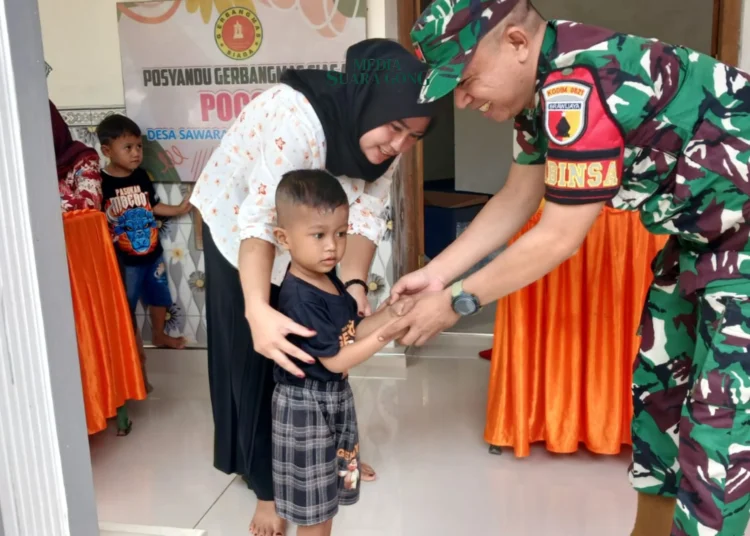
point(367, 473)
point(163, 340)
point(266, 522)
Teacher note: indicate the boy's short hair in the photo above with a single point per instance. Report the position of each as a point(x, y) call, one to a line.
point(115, 126)
point(315, 188)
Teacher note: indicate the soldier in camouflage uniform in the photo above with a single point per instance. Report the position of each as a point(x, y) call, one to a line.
point(602, 117)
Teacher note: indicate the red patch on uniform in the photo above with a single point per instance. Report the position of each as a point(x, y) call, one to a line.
point(418, 52)
point(585, 152)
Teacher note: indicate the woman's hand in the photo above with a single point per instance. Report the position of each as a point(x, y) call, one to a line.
point(415, 283)
point(363, 304)
point(270, 329)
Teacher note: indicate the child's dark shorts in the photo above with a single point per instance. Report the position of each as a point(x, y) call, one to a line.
point(315, 451)
point(148, 283)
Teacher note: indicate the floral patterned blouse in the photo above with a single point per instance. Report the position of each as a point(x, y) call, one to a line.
point(82, 187)
point(277, 132)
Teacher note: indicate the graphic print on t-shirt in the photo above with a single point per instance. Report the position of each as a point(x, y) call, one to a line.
point(347, 334)
point(131, 219)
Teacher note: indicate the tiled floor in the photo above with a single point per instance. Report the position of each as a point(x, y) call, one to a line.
point(424, 436)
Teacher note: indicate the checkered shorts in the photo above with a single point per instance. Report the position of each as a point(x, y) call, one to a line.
point(315, 451)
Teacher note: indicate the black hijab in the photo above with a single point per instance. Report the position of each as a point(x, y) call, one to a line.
point(381, 84)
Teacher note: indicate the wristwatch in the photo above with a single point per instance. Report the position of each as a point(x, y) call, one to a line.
point(463, 303)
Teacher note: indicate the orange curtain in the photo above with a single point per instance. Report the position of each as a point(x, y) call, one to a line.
point(107, 349)
point(564, 346)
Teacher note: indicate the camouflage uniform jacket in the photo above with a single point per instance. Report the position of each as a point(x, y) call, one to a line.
point(652, 127)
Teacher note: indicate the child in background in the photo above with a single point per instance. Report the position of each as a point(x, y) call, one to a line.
point(130, 203)
point(315, 438)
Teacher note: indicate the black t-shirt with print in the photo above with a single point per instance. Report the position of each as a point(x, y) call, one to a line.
point(128, 203)
point(333, 317)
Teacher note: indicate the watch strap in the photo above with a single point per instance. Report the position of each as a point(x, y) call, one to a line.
point(457, 288)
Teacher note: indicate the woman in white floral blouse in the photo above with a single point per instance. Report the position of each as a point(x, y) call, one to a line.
point(354, 125)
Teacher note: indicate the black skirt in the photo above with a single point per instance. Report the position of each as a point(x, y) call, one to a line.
point(240, 379)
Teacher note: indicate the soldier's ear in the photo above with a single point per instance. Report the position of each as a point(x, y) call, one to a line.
point(518, 38)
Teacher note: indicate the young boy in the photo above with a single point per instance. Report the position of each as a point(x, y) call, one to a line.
point(315, 439)
point(130, 202)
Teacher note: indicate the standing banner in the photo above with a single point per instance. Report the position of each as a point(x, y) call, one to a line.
point(190, 66)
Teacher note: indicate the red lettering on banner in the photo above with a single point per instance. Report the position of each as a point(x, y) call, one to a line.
point(172, 157)
point(176, 156)
point(225, 106)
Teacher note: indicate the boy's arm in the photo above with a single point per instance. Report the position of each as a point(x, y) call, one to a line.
point(368, 335)
point(353, 354)
point(159, 208)
point(326, 345)
point(383, 316)
point(162, 209)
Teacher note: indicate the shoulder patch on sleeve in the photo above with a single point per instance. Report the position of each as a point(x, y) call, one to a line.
point(586, 145)
point(565, 111)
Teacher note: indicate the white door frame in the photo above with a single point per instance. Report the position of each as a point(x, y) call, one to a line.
point(46, 485)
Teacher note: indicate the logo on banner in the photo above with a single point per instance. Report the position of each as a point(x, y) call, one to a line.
point(238, 33)
point(565, 111)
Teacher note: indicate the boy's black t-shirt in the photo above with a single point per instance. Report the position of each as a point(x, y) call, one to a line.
point(333, 317)
point(128, 203)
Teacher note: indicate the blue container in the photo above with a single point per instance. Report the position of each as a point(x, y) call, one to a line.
point(446, 214)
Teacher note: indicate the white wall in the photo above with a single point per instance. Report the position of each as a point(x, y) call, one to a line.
point(81, 44)
point(382, 18)
point(483, 148)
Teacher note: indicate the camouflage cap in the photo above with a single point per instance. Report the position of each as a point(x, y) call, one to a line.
point(446, 35)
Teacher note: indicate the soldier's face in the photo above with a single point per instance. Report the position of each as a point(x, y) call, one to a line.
point(499, 80)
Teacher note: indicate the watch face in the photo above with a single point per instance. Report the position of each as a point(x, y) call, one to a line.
point(464, 306)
